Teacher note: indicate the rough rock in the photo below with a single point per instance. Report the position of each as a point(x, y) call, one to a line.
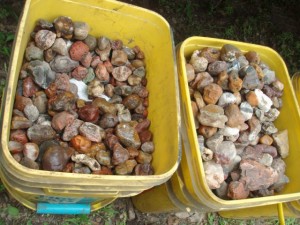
point(212, 115)
point(225, 152)
point(213, 174)
point(281, 141)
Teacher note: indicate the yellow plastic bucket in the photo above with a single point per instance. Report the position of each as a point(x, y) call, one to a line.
point(135, 26)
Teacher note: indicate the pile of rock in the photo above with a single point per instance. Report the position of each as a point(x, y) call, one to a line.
point(235, 100)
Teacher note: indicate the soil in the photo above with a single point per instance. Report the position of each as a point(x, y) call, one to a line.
point(256, 21)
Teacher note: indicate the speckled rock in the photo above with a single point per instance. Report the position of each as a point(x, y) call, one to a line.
point(216, 67)
point(64, 27)
point(77, 50)
point(95, 88)
point(247, 110)
point(120, 154)
point(92, 132)
point(32, 53)
point(202, 80)
point(31, 112)
point(121, 73)
point(29, 87)
point(71, 130)
point(123, 114)
point(199, 63)
point(81, 30)
point(214, 141)
point(79, 73)
point(108, 121)
point(264, 102)
point(269, 128)
point(102, 73)
point(250, 80)
point(225, 152)
point(104, 106)
point(128, 135)
point(229, 52)
point(119, 58)
point(62, 102)
point(226, 98)
point(44, 39)
point(91, 42)
point(211, 54)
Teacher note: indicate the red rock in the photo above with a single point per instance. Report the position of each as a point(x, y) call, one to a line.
point(71, 130)
point(143, 125)
point(29, 87)
point(51, 90)
point(109, 67)
point(79, 73)
point(237, 190)
point(89, 113)
point(86, 60)
point(145, 136)
point(95, 61)
point(78, 50)
point(62, 82)
point(212, 93)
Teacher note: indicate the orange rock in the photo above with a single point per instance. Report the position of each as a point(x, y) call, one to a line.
point(252, 98)
point(266, 139)
point(212, 93)
point(207, 131)
point(81, 144)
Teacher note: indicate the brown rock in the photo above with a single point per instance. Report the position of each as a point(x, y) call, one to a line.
point(119, 58)
point(212, 93)
point(71, 130)
point(257, 176)
point(234, 115)
point(86, 60)
point(121, 73)
point(252, 98)
point(253, 57)
point(55, 158)
point(143, 125)
point(92, 132)
point(62, 82)
point(237, 190)
point(21, 102)
point(194, 108)
point(39, 133)
point(15, 147)
point(81, 144)
point(143, 157)
point(223, 80)
point(235, 84)
point(143, 169)
point(103, 157)
point(104, 106)
point(128, 135)
point(266, 139)
point(95, 61)
point(19, 136)
point(230, 52)
point(44, 39)
point(120, 154)
point(62, 102)
point(64, 27)
point(102, 73)
point(250, 80)
point(216, 67)
point(108, 121)
point(111, 140)
point(190, 72)
point(211, 54)
point(259, 71)
point(145, 136)
point(131, 101)
point(207, 131)
point(212, 115)
point(20, 122)
point(89, 113)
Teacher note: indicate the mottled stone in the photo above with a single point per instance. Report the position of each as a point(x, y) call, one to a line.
point(143, 169)
point(229, 131)
point(277, 85)
point(131, 101)
point(62, 102)
point(229, 52)
point(123, 90)
point(223, 80)
point(259, 71)
point(18, 136)
point(104, 54)
point(257, 176)
point(41, 72)
point(79, 89)
point(63, 64)
point(20, 122)
point(81, 144)
point(29, 163)
point(31, 151)
point(89, 113)
point(207, 131)
point(90, 76)
point(216, 67)
point(212, 115)
point(264, 102)
point(212, 93)
point(211, 54)
point(234, 115)
point(123, 114)
point(226, 98)
point(143, 157)
point(254, 127)
point(213, 174)
point(92, 132)
point(148, 147)
point(120, 154)
point(103, 42)
point(225, 152)
point(15, 147)
point(39, 133)
point(252, 98)
point(64, 27)
point(119, 58)
point(103, 157)
point(269, 128)
point(129, 52)
point(271, 115)
point(266, 159)
point(108, 121)
point(44, 39)
point(269, 77)
point(202, 80)
point(71, 130)
point(29, 87)
point(95, 88)
point(199, 100)
point(281, 141)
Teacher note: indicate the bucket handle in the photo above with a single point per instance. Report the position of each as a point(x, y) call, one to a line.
point(280, 214)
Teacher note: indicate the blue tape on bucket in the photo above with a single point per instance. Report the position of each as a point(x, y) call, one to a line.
point(49, 208)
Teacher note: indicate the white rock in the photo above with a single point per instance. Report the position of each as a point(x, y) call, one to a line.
point(229, 131)
point(32, 113)
point(214, 174)
point(247, 110)
point(82, 89)
point(226, 99)
point(199, 63)
point(214, 141)
point(266, 159)
point(264, 102)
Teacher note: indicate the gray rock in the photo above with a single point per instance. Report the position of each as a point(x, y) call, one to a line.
point(92, 132)
point(269, 77)
point(60, 46)
point(229, 131)
point(31, 112)
point(32, 53)
point(216, 67)
point(272, 115)
point(39, 133)
point(63, 64)
point(225, 152)
point(251, 80)
point(269, 128)
point(81, 30)
point(123, 113)
point(41, 102)
point(214, 141)
point(41, 72)
point(266, 159)
point(71, 130)
point(199, 63)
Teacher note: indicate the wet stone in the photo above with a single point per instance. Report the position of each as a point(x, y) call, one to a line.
point(92, 132)
point(39, 133)
point(143, 157)
point(216, 67)
point(128, 135)
point(103, 157)
point(41, 72)
point(81, 144)
point(62, 102)
point(63, 64)
point(104, 106)
point(131, 101)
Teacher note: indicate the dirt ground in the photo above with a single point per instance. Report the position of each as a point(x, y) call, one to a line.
point(265, 22)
